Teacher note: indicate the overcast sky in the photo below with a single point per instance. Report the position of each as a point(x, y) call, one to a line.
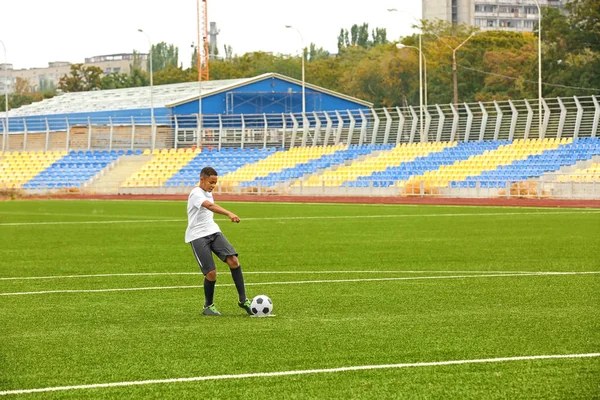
point(36, 32)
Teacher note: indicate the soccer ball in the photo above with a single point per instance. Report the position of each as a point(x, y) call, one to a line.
point(261, 305)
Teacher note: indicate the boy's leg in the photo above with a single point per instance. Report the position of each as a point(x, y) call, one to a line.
point(225, 251)
point(203, 255)
point(238, 277)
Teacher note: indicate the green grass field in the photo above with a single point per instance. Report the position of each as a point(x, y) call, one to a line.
point(371, 302)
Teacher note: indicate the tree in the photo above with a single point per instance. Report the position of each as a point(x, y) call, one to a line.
point(571, 49)
point(315, 53)
point(584, 16)
point(81, 78)
point(47, 86)
point(173, 75)
point(379, 36)
point(228, 52)
point(24, 95)
point(138, 77)
point(137, 60)
point(359, 36)
point(194, 60)
point(363, 36)
point(115, 80)
point(163, 56)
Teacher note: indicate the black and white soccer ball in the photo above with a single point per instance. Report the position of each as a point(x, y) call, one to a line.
point(261, 305)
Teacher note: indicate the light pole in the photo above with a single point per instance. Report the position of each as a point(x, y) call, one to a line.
point(539, 67)
point(421, 108)
point(403, 46)
point(303, 84)
point(153, 128)
point(5, 136)
point(454, 69)
point(199, 62)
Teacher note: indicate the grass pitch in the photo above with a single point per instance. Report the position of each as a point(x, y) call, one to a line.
point(108, 293)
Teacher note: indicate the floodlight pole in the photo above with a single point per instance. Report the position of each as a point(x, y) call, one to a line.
point(454, 66)
point(199, 62)
point(303, 81)
point(421, 107)
point(403, 46)
point(5, 136)
point(539, 67)
point(152, 123)
point(454, 69)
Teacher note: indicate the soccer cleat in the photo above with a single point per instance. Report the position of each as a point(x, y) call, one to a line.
point(246, 306)
point(211, 310)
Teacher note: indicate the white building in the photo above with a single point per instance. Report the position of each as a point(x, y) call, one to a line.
point(511, 15)
point(44, 78)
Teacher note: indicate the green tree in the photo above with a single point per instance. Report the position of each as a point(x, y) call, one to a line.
point(571, 50)
point(379, 36)
point(115, 80)
point(325, 73)
point(138, 77)
point(363, 36)
point(47, 86)
point(315, 53)
point(173, 75)
point(194, 59)
point(24, 95)
point(163, 56)
point(137, 61)
point(584, 16)
point(81, 78)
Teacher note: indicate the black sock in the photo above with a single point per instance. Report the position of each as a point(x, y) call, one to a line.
point(209, 292)
point(238, 279)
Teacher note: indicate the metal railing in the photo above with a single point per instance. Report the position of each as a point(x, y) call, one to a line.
point(519, 119)
point(547, 186)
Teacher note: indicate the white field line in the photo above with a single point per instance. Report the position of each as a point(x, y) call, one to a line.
point(301, 372)
point(321, 217)
point(314, 272)
point(332, 204)
point(134, 289)
point(85, 215)
point(122, 221)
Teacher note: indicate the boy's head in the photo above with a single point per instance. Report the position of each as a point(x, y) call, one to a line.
point(208, 179)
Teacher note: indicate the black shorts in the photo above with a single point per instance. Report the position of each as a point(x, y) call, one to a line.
point(204, 247)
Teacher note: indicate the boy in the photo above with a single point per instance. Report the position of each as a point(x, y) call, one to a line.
point(205, 237)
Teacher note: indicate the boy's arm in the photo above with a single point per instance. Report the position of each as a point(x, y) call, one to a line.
point(220, 210)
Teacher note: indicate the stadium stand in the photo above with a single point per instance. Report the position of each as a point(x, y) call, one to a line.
point(489, 160)
point(418, 166)
point(74, 169)
point(375, 162)
point(484, 164)
point(551, 159)
point(313, 166)
point(225, 162)
point(164, 164)
point(591, 174)
point(277, 162)
point(18, 168)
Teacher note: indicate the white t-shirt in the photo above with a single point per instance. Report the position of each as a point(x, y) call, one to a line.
point(200, 219)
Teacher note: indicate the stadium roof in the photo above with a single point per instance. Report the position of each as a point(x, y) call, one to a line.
point(234, 85)
point(122, 99)
point(164, 96)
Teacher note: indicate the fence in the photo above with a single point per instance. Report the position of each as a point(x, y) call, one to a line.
point(561, 117)
point(547, 186)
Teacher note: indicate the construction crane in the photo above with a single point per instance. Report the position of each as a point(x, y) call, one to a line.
point(202, 51)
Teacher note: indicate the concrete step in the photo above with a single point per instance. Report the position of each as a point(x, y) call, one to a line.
point(109, 181)
point(568, 169)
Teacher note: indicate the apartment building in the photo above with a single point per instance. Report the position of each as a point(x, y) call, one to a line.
point(512, 15)
point(47, 78)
